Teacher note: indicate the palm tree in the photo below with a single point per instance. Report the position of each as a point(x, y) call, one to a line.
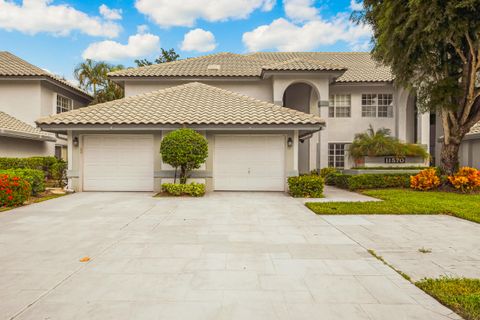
point(91, 74)
point(373, 143)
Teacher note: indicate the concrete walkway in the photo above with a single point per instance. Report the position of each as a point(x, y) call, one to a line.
point(453, 243)
point(332, 194)
point(226, 256)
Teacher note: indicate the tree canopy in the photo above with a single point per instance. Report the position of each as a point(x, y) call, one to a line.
point(166, 56)
point(92, 77)
point(186, 149)
point(432, 48)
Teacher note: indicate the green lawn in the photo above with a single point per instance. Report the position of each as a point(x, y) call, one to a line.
point(405, 201)
point(460, 295)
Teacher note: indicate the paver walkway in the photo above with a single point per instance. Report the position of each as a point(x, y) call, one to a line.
point(453, 242)
point(226, 256)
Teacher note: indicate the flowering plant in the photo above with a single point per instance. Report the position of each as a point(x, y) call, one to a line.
point(466, 179)
point(14, 191)
point(425, 180)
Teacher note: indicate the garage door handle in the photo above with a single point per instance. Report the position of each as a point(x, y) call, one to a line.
point(248, 170)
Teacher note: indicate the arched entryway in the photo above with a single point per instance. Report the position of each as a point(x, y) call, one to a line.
point(304, 97)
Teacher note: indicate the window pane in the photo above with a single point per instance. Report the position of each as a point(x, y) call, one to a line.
point(385, 105)
point(369, 105)
point(336, 155)
point(64, 104)
point(341, 105)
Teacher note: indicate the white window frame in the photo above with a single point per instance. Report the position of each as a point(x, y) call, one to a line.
point(337, 160)
point(374, 109)
point(340, 106)
point(65, 105)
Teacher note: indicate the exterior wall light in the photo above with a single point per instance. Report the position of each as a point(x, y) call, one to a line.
point(75, 141)
point(289, 142)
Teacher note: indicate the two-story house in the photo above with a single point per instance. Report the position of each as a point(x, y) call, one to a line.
point(26, 94)
point(266, 116)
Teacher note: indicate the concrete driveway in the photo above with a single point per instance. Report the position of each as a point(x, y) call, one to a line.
point(226, 256)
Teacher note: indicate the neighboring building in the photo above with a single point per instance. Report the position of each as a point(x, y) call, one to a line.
point(267, 116)
point(26, 94)
point(470, 148)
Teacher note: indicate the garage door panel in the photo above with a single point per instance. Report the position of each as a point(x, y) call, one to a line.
point(118, 163)
point(252, 163)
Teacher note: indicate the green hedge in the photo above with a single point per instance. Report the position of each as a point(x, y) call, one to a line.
point(176, 189)
point(308, 186)
point(369, 181)
point(38, 163)
point(36, 178)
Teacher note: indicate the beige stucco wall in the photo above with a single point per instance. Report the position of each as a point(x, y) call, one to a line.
point(21, 99)
point(21, 148)
point(344, 129)
point(28, 100)
point(161, 170)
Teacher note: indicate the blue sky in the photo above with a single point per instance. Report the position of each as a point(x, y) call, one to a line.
point(56, 35)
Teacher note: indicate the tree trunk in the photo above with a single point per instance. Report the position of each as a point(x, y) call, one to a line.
point(449, 157)
point(183, 175)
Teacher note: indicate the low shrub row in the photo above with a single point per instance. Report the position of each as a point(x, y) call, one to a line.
point(192, 189)
point(307, 186)
point(36, 178)
point(368, 181)
point(38, 163)
point(464, 180)
point(14, 191)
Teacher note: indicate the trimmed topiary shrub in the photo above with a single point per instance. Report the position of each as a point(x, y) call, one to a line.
point(184, 149)
point(309, 186)
point(36, 178)
point(466, 180)
point(369, 181)
point(192, 189)
point(14, 191)
point(427, 179)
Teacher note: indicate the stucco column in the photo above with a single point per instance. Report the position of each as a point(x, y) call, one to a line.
point(69, 159)
point(295, 151)
point(401, 103)
point(323, 88)
point(423, 129)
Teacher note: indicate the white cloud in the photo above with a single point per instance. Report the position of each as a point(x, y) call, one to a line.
point(198, 40)
point(143, 28)
point(300, 10)
point(356, 6)
point(34, 16)
point(138, 45)
point(168, 13)
point(110, 14)
point(284, 35)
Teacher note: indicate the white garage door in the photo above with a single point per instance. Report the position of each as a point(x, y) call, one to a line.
point(118, 162)
point(251, 163)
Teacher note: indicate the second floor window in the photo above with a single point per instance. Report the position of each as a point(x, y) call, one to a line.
point(377, 105)
point(64, 104)
point(340, 106)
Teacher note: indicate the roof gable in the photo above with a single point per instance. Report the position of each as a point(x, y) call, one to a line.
point(12, 127)
point(13, 66)
point(355, 66)
point(189, 104)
